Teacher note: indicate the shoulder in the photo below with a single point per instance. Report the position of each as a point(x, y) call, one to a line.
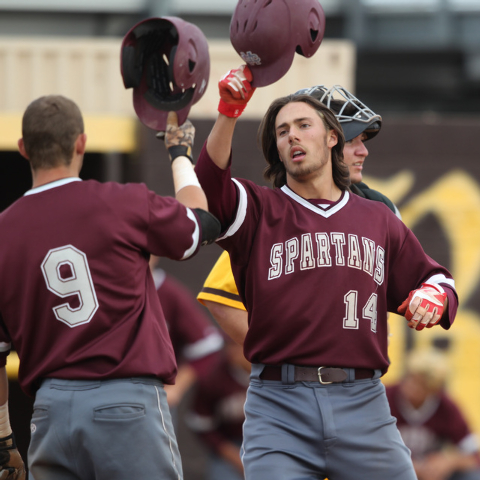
point(253, 187)
point(219, 286)
point(448, 404)
point(365, 191)
point(113, 189)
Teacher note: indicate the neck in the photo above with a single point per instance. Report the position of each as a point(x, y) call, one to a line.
point(43, 176)
point(315, 189)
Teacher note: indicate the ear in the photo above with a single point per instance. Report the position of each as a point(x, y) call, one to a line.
point(80, 144)
point(21, 148)
point(332, 138)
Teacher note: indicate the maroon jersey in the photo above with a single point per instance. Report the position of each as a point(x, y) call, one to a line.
point(317, 277)
point(77, 298)
point(195, 339)
point(217, 413)
point(438, 423)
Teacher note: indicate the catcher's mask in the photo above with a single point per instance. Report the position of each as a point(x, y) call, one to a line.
point(267, 33)
point(354, 116)
point(166, 62)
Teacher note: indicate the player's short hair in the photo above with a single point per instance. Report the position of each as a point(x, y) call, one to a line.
point(275, 171)
point(50, 127)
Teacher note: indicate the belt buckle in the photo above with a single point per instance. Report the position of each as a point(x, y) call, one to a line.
point(320, 377)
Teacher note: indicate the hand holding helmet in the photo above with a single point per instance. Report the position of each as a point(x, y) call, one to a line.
point(178, 140)
point(235, 91)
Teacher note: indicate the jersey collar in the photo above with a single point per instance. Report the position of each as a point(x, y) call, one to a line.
point(318, 209)
point(48, 186)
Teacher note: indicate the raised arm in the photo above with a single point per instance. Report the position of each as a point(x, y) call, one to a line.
point(235, 92)
point(179, 143)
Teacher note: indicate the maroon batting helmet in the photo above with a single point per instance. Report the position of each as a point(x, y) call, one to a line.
point(166, 62)
point(267, 33)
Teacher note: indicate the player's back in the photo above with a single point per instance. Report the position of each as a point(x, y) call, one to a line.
point(76, 289)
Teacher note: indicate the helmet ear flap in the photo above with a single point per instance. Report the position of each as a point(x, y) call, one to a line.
point(132, 70)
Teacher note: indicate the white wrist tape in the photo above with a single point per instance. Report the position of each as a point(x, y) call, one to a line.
point(183, 174)
point(5, 428)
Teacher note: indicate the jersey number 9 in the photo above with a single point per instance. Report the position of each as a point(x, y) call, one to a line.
point(66, 273)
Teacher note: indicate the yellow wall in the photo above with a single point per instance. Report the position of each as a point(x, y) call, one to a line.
point(454, 199)
point(105, 133)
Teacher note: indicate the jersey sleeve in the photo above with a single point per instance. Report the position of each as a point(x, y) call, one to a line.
point(220, 285)
point(219, 189)
point(456, 430)
point(412, 266)
point(237, 203)
point(173, 229)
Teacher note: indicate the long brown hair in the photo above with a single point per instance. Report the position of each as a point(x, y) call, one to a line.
point(275, 171)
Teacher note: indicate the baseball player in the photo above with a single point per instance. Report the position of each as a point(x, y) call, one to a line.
point(359, 124)
point(216, 412)
point(431, 423)
point(78, 303)
point(317, 269)
point(195, 339)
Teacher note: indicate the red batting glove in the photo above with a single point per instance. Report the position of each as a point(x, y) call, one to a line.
point(235, 91)
point(424, 306)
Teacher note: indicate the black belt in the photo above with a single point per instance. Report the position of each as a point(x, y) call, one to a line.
point(323, 375)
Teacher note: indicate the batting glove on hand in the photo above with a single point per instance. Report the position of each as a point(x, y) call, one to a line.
point(11, 463)
point(424, 306)
point(178, 140)
point(235, 91)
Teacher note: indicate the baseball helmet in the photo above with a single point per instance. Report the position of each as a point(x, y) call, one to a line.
point(354, 116)
point(266, 34)
point(166, 62)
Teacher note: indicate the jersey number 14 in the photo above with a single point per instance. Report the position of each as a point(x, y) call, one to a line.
point(369, 311)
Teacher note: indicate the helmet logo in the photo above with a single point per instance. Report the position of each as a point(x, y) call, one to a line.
point(251, 58)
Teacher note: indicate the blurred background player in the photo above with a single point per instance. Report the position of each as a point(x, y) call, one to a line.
point(92, 341)
point(359, 124)
point(431, 423)
point(195, 339)
point(217, 415)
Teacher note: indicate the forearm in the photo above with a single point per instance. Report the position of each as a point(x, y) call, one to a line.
point(179, 141)
point(192, 197)
point(465, 462)
point(234, 322)
point(186, 376)
point(219, 143)
point(5, 428)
